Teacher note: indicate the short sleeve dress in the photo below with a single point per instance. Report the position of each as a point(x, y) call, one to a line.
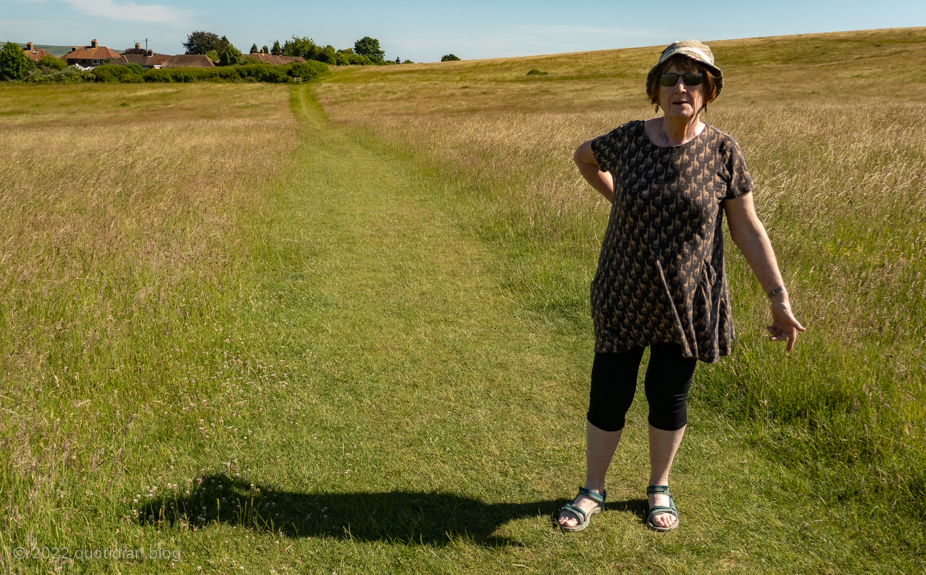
point(660, 275)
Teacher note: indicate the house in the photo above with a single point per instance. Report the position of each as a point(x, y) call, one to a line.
point(144, 58)
point(34, 54)
point(146, 62)
point(188, 61)
point(92, 55)
point(271, 59)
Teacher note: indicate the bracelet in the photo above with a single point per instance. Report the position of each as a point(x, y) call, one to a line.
point(776, 291)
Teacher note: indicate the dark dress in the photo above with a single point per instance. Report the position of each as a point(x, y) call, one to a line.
point(660, 273)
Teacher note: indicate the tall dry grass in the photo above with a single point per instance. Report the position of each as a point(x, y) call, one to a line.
point(122, 236)
point(832, 127)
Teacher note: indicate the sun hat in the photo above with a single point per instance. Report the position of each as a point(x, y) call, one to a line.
point(696, 51)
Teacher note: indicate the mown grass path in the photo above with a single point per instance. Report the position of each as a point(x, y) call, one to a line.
point(410, 363)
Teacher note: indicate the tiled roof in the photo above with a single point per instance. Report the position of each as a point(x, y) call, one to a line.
point(101, 53)
point(142, 60)
point(159, 59)
point(188, 61)
point(35, 54)
point(271, 59)
point(130, 59)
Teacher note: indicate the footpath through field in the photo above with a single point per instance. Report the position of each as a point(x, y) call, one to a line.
point(433, 425)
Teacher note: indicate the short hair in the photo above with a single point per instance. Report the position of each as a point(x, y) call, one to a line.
point(686, 65)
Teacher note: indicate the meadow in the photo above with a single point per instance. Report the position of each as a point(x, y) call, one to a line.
point(343, 327)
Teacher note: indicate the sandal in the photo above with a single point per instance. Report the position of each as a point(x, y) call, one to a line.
point(660, 509)
point(583, 516)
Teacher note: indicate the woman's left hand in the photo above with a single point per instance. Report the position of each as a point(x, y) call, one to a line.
point(784, 325)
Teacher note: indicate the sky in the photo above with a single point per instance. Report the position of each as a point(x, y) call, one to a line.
point(424, 31)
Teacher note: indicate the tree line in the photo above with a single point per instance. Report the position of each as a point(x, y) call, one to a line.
point(15, 65)
point(365, 52)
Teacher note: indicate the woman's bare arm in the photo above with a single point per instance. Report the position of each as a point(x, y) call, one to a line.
point(749, 235)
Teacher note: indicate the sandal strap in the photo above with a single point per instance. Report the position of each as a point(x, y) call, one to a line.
point(579, 513)
point(661, 509)
point(658, 490)
point(594, 495)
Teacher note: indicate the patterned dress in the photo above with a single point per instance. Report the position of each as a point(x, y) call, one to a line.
point(660, 274)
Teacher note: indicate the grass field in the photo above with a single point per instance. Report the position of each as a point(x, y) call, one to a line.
point(253, 331)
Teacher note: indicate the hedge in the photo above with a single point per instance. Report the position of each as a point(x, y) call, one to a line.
point(243, 73)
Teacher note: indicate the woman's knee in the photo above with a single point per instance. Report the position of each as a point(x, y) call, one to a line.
point(614, 381)
point(668, 380)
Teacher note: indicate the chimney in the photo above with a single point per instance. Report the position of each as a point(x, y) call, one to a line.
point(93, 44)
point(151, 52)
point(137, 46)
point(73, 48)
point(29, 46)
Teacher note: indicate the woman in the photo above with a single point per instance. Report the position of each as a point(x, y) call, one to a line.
point(660, 281)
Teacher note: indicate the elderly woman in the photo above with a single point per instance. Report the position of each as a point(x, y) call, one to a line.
point(660, 281)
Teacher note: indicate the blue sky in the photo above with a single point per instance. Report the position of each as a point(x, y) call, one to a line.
point(424, 31)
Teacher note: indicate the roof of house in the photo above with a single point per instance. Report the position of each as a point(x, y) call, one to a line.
point(271, 59)
point(159, 59)
point(34, 54)
point(92, 52)
point(143, 60)
point(188, 61)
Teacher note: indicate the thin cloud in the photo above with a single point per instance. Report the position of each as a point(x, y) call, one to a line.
point(132, 12)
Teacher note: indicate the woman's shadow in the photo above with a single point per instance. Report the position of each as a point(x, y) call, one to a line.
point(408, 516)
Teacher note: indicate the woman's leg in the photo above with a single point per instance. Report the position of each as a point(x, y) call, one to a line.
point(662, 447)
point(668, 379)
point(614, 380)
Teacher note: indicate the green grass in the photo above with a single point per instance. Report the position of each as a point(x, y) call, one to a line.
point(373, 356)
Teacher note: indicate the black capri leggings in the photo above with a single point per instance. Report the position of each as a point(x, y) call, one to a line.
point(614, 381)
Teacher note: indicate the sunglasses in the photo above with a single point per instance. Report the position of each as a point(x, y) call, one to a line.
point(671, 79)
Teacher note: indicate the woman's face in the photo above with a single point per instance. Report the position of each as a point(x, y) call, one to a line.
point(680, 101)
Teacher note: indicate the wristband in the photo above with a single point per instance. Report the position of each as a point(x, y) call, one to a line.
point(776, 291)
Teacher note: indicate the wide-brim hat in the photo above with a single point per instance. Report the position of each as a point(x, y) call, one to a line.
point(696, 51)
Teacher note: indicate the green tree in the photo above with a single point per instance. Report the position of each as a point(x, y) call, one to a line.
point(49, 61)
point(369, 47)
point(202, 42)
point(328, 55)
point(265, 50)
point(231, 56)
point(449, 58)
point(276, 50)
point(304, 47)
point(14, 64)
point(253, 49)
point(212, 55)
point(347, 56)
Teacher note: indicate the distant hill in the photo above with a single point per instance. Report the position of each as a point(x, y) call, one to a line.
point(56, 51)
